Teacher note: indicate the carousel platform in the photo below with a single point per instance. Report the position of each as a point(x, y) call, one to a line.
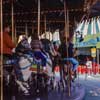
point(77, 93)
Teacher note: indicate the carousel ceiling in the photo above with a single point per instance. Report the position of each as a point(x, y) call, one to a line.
point(52, 12)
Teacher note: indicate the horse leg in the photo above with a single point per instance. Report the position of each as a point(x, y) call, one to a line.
point(20, 84)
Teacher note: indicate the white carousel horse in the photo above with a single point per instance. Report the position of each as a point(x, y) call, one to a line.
point(24, 64)
point(49, 65)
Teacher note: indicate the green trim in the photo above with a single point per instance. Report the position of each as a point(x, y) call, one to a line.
point(98, 45)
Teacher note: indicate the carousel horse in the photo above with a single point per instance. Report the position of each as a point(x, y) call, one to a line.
point(58, 80)
point(24, 62)
point(48, 64)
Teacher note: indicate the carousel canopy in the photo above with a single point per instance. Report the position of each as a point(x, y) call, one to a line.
point(26, 11)
point(90, 31)
point(89, 27)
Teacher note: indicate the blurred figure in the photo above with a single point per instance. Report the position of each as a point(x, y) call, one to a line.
point(37, 48)
point(67, 52)
point(89, 65)
point(63, 53)
point(8, 44)
point(63, 48)
point(72, 55)
point(8, 47)
point(56, 55)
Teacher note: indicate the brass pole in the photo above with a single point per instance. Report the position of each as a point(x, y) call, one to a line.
point(45, 25)
point(15, 36)
point(26, 30)
point(49, 34)
point(67, 34)
point(1, 57)
point(38, 17)
point(68, 23)
point(12, 18)
point(32, 28)
point(65, 18)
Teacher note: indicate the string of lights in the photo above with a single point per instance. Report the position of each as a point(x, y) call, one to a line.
point(50, 21)
point(44, 12)
point(34, 21)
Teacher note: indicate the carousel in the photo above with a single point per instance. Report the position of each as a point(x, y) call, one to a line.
point(24, 77)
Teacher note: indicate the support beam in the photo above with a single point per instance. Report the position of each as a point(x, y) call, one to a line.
point(88, 4)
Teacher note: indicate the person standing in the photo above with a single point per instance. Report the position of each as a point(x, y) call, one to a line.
point(8, 44)
point(71, 57)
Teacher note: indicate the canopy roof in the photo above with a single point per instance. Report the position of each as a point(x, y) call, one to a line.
point(90, 30)
point(89, 27)
point(25, 11)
